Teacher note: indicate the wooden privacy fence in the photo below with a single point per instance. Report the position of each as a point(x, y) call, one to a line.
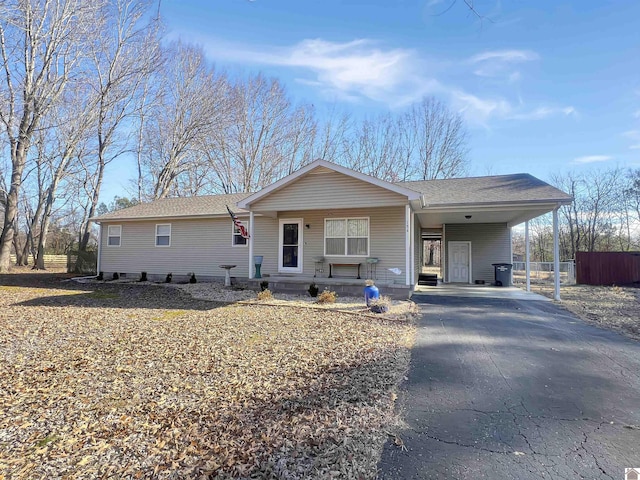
point(607, 268)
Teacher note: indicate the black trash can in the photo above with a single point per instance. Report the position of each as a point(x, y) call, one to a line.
point(502, 274)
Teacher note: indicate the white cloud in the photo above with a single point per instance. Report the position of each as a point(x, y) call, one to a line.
point(354, 69)
point(510, 56)
point(499, 63)
point(477, 110)
point(635, 147)
point(636, 114)
point(592, 159)
point(541, 113)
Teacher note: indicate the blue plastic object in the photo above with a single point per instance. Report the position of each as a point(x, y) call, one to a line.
point(371, 293)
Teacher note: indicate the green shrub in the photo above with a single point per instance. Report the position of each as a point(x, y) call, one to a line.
point(143, 277)
point(193, 278)
point(115, 276)
point(169, 278)
point(264, 285)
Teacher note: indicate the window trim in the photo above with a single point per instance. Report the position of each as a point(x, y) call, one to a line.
point(156, 236)
point(110, 236)
point(347, 237)
point(235, 234)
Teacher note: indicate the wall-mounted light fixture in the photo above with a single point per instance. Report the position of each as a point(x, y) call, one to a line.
point(307, 226)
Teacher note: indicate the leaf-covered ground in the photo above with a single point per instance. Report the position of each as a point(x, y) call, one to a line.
point(130, 381)
point(616, 308)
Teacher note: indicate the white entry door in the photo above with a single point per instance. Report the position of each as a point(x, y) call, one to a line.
point(459, 262)
point(290, 254)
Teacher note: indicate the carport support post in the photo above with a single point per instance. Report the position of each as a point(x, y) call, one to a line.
point(250, 244)
point(556, 256)
point(527, 259)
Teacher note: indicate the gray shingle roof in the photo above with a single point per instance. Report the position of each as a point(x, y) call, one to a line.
point(516, 188)
point(202, 206)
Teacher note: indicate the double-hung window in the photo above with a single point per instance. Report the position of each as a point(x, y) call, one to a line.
point(114, 234)
point(346, 236)
point(163, 235)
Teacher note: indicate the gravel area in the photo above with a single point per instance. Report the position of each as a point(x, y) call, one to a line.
point(616, 308)
point(140, 381)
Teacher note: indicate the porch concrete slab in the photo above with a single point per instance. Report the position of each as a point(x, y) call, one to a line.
point(478, 291)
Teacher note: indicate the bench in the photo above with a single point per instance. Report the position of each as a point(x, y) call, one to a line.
point(331, 265)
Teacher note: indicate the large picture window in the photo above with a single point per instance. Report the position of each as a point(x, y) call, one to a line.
point(114, 233)
point(163, 235)
point(346, 237)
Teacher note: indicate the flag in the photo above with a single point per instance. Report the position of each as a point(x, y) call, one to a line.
point(241, 228)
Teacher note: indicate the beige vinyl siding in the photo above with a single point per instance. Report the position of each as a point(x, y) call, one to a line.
point(386, 240)
point(328, 190)
point(490, 243)
point(197, 245)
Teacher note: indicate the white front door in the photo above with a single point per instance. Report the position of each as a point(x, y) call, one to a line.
point(460, 262)
point(290, 246)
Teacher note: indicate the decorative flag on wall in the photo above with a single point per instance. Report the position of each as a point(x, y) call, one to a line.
point(241, 228)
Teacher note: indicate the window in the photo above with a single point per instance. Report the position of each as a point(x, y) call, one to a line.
point(237, 240)
point(114, 232)
point(163, 235)
point(346, 236)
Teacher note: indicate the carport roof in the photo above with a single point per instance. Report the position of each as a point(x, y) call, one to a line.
point(515, 188)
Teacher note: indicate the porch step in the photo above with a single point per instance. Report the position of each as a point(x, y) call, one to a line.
point(428, 279)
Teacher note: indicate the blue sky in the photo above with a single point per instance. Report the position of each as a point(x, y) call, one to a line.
point(544, 86)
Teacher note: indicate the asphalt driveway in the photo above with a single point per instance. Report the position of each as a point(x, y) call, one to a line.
point(504, 388)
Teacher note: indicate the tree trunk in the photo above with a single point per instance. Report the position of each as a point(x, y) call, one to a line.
point(11, 206)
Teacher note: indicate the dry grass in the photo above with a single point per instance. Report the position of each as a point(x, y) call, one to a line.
point(617, 308)
point(141, 381)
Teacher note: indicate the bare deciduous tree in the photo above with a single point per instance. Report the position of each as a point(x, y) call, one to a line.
point(40, 44)
point(122, 56)
point(192, 102)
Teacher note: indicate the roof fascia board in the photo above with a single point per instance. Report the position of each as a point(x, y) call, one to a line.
point(410, 194)
point(494, 205)
point(169, 217)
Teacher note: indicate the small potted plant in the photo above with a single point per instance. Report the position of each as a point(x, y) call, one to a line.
point(313, 290)
point(380, 305)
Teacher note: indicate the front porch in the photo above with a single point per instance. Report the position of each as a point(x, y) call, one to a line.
point(345, 287)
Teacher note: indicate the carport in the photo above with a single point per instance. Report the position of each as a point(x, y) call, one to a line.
point(475, 216)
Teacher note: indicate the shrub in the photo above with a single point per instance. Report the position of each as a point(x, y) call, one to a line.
point(193, 278)
point(327, 296)
point(265, 294)
point(380, 305)
point(313, 289)
point(116, 276)
point(169, 278)
point(264, 285)
point(100, 276)
point(143, 277)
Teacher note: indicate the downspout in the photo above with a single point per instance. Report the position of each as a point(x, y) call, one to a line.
point(407, 244)
point(251, 274)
